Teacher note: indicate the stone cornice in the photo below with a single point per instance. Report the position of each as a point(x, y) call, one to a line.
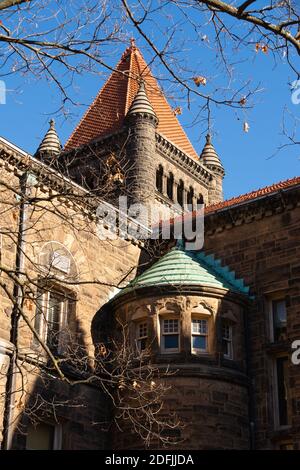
point(250, 211)
point(191, 166)
point(156, 292)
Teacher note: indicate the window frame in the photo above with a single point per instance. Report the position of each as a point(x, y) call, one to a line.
point(276, 408)
point(198, 351)
point(163, 334)
point(57, 435)
point(272, 313)
point(41, 323)
point(228, 340)
point(138, 337)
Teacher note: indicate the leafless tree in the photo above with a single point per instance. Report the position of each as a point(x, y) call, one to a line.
point(49, 348)
point(60, 39)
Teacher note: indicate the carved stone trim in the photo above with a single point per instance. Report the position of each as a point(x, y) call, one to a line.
point(174, 155)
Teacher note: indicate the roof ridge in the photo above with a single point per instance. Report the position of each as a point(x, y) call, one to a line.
point(256, 193)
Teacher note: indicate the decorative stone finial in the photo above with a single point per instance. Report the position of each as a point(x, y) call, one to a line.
point(209, 156)
point(50, 145)
point(141, 103)
point(132, 42)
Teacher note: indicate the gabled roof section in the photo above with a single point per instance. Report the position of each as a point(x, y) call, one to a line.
point(188, 268)
point(106, 114)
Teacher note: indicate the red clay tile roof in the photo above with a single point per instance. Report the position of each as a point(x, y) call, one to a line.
point(253, 195)
point(241, 199)
point(106, 114)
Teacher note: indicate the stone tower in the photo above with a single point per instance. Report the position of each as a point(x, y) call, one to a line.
point(191, 312)
point(142, 123)
point(131, 120)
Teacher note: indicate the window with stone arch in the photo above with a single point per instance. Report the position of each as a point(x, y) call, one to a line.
point(200, 200)
point(180, 191)
point(170, 186)
point(55, 300)
point(159, 179)
point(202, 330)
point(190, 197)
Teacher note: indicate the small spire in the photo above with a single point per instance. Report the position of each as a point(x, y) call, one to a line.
point(50, 145)
point(132, 43)
point(209, 156)
point(141, 103)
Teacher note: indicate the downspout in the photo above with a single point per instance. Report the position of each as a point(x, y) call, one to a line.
point(18, 296)
point(251, 402)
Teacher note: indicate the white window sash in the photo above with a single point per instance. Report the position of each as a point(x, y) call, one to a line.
point(206, 335)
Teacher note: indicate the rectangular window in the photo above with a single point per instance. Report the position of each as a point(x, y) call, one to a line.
point(170, 335)
point(52, 315)
point(142, 335)
point(279, 320)
point(227, 340)
point(199, 335)
point(282, 390)
point(43, 436)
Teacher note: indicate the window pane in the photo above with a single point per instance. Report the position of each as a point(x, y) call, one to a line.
point(171, 341)
point(170, 326)
point(279, 320)
point(199, 342)
point(199, 326)
point(226, 333)
point(226, 348)
point(40, 437)
point(142, 331)
point(279, 309)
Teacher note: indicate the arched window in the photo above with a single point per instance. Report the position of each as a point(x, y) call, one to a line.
point(159, 178)
point(180, 189)
point(200, 199)
point(170, 186)
point(190, 197)
point(55, 303)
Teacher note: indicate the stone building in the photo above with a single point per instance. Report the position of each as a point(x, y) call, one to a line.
point(223, 317)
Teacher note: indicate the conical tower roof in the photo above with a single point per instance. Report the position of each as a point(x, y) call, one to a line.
point(186, 268)
point(209, 156)
point(50, 144)
point(141, 103)
point(107, 113)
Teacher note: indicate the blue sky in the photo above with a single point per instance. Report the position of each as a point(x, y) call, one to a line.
point(247, 157)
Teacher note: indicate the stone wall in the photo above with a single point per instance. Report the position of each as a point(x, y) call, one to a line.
point(260, 241)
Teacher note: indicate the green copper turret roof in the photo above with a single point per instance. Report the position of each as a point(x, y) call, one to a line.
point(188, 268)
